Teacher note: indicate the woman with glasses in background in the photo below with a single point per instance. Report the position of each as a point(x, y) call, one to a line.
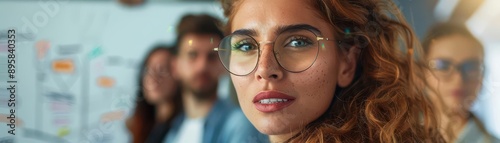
point(456, 61)
point(158, 99)
point(327, 71)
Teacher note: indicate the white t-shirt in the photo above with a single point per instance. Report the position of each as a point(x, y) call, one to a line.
point(191, 131)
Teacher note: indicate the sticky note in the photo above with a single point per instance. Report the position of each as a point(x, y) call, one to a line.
point(106, 82)
point(63, 66)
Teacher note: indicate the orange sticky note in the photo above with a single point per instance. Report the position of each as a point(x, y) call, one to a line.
point(63, 66)
point(105, 81)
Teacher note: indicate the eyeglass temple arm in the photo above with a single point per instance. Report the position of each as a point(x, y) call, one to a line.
point(319, 38)
point(218, 49)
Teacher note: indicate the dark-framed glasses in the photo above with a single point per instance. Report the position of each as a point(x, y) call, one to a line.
point(295, 50)
point(468, 70)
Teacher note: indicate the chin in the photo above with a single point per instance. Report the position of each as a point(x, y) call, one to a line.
point(457, 109)
point(275, 126)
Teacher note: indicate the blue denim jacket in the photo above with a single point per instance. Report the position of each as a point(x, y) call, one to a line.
point(225, 123)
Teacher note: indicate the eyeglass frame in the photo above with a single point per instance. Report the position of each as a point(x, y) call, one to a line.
point(454, 68)
point(261, 43)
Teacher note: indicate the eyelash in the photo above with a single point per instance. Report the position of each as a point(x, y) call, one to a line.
point(305, 39)
point(235, 45)
point(299, 38)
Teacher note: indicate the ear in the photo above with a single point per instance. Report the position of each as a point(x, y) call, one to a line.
point(347, 65)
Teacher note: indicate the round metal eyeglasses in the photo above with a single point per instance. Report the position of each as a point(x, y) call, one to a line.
point(295, 51)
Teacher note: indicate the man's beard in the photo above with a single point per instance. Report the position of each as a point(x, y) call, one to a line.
point(204, 92)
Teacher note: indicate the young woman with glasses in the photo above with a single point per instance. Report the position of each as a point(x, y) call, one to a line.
point(456, 69)
point(327, 71)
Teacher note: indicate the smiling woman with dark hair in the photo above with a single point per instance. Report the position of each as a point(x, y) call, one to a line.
point(327, 71)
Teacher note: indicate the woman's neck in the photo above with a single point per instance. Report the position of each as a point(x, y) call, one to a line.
point(282, 137)
point(452, 125)
point(164, 111)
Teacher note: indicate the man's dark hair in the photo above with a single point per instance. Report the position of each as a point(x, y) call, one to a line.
point(197, 24)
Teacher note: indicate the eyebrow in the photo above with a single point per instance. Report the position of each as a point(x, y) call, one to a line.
point(296, 27)
point(281, 29)
point(249, 32)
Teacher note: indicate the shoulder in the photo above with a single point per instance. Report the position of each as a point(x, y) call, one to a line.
point(495, 140)
point(474, 131)
point(239, 129)
point(225, 105)
point(172, 132)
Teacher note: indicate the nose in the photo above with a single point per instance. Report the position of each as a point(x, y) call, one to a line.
point(457, 76)
point(268, 68)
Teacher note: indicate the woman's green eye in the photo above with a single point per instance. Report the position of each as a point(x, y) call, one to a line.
point(243, 46)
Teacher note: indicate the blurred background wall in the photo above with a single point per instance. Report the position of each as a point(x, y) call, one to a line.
point(77, 60)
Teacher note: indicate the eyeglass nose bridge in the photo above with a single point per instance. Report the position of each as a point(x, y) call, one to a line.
point(261, 43)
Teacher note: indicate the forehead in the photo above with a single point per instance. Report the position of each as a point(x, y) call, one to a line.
point(456, 48)
point(266, 15)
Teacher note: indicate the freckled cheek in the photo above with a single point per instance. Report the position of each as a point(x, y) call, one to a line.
point(242, 87)
point(317, 86)
point(315, 100)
